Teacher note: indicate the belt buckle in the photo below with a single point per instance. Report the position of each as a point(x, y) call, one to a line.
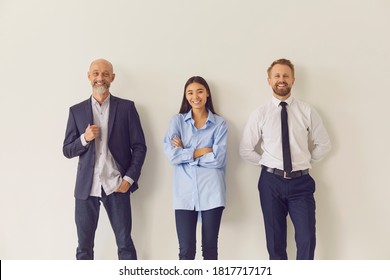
point(285, 175)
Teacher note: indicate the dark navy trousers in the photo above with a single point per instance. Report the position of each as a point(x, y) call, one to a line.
point(280, 197)
point(186, 221)
point(118, 209)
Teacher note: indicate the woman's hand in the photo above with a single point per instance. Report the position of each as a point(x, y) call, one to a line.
point(202, 151)
point(176, 142)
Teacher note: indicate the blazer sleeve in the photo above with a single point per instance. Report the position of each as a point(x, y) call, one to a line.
point(137, 144)
point(72, 146)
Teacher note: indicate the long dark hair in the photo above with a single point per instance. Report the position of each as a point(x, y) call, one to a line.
point(185, 106)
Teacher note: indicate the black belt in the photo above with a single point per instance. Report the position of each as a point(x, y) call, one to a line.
point(284, 174)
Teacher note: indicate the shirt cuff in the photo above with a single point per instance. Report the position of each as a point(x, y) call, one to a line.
point(128, 179)
point(194, 163)
point(207, 157)
point(188, 154)
point(83, 141)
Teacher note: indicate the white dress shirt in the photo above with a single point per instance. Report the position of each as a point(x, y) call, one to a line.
point(106, 174)
point(309, 140)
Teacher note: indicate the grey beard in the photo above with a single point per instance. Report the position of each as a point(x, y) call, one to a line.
point(100, 89)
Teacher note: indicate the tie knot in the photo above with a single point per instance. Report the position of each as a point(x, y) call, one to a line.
point(283, 104)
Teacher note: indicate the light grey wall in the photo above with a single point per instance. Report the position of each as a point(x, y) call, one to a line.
point(341, 53)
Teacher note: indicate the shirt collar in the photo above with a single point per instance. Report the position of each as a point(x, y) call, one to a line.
point(106, 101)
point(276, 101)
point(210, 117)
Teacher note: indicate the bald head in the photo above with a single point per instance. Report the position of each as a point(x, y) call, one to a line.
point(102, 61)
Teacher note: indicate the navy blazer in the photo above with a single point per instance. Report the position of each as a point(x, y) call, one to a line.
point(126, 142)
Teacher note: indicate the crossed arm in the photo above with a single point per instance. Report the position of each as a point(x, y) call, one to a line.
point(176, 142)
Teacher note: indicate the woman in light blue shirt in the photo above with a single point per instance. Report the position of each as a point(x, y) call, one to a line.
point(195, 144)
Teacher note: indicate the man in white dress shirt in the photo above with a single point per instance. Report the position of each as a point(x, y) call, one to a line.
point(285, 185)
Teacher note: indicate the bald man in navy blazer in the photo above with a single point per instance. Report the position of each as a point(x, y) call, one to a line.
point(105, 132)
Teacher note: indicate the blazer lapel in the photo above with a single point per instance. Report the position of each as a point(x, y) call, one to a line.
point(112, 113)
point(88, 109)
point(89, 120)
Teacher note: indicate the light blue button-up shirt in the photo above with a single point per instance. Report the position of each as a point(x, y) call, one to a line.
point(198, 184)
